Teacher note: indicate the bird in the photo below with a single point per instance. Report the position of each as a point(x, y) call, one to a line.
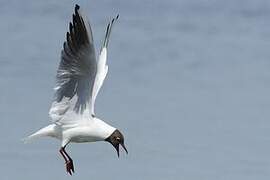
point(79, 78)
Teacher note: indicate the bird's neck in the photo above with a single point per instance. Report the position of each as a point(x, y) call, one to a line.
point(103, 129)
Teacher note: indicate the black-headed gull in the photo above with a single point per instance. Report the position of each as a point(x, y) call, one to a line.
point(79, 79)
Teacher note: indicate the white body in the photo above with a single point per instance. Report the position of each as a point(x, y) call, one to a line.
point(82, 131)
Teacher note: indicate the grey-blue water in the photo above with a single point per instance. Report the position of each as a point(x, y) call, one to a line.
point(188, 85)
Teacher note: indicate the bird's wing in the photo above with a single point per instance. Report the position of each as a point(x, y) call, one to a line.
point(76, 73)
point(102, 67)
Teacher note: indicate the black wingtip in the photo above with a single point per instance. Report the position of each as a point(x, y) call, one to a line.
point(67, 35)
point(73, 17)
point(117, 16)
point(70, 27)
point(77, 7)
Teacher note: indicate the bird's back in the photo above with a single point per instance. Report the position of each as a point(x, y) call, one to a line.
point(88, 131)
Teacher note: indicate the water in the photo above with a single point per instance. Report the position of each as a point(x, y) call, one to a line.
point(188, 85)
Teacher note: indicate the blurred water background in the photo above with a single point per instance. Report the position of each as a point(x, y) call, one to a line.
point(188, 85)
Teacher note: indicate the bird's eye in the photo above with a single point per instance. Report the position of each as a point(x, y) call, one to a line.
point(118, 138)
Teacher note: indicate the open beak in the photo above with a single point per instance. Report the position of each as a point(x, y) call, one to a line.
point(117, 148)
point(123, 145)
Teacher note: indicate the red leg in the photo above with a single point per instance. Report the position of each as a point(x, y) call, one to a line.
point(68, 161)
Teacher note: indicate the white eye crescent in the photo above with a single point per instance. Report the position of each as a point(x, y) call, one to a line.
point(118, 138)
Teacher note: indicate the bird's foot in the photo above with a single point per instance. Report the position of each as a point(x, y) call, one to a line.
point(70, 167)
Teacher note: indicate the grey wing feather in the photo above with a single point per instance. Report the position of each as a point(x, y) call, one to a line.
point(77, 69)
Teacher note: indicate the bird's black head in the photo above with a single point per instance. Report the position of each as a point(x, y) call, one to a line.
point(115, 139)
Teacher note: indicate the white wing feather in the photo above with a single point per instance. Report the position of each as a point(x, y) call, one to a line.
point(102, 67)
point(102, 70)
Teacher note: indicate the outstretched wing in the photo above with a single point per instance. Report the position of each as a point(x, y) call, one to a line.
point(102, 67)
point(76, 72)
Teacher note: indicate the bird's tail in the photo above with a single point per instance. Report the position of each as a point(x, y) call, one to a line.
point(46, 131)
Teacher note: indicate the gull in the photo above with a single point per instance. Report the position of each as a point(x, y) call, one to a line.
point(78, 81)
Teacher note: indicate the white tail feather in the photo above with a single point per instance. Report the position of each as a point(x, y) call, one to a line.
point(46, 131)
